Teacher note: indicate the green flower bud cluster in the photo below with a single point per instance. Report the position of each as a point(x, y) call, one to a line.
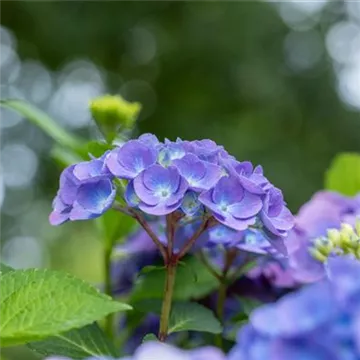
point(113, 114)
point(345, 241)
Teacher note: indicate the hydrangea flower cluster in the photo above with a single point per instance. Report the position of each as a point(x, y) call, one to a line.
point(311, 244)
point(320, 321)
point(155, 350)
point(192, 177)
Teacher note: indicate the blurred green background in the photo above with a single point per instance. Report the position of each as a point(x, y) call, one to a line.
point(277, 83)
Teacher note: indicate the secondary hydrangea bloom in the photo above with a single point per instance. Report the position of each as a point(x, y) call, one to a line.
point(275, 271)
point(320, 321)
point(326, 210)
point(86, 192)
point(156, 350)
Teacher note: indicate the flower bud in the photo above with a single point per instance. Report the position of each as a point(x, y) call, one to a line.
point(334, 236)
point(113, 114)
point(317, 254)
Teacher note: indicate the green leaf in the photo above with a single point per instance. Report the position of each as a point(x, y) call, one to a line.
point(114, 225)
point(188, 316)
point(248, 305)
point(150, 268)
point(97, 148)
point(343, 175)
point(148, 306)
point(45, 122)
point(35, 304)
point(151, 285)
point(77, 344)
point(150, 337)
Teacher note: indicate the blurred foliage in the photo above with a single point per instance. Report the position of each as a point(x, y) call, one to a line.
point(218, 71)
point(344, 174)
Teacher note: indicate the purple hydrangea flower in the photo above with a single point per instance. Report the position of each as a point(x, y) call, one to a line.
point(275, 271)
point(191, 205)
point(251, 179)
point(149, 139)
point(250, 240)
point(86, 192)
point(316, 322)
point(131, 159)
point(171, 151)
point(326, 210)
point(160, 190)
point(206, 150)
point(231, 204)
point(199, 174)
point(275, 216)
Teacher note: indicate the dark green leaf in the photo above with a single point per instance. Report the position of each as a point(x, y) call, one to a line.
point(248, 305)
point(343, 175)
point(188, 316)
point(148, 306)
point(77, 344)
point(151, 285)
point(45, 122)
point(150, 268)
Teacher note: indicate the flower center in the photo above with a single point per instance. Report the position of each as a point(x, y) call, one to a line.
point(223, 207)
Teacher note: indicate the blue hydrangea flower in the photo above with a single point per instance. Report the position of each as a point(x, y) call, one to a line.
point(231, 204)
point(86, 192)
point(170, 151)
point(149, 139)
point(199, 174)
point(253, 241)
point(223, 235)
point(251, 179)
point(205, 149)
point(275, 216)
point(131, 159)
point(319, 321)
point(160, 190)
point(191, 206)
